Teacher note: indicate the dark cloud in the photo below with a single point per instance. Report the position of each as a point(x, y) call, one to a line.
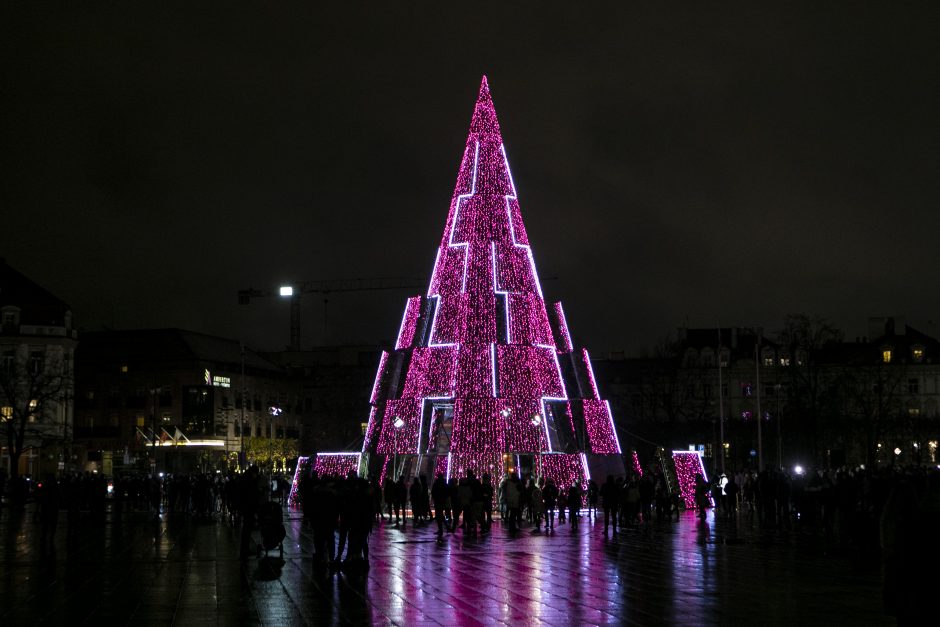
point(676, 165)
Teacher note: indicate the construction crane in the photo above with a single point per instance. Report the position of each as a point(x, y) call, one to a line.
point(326, 287)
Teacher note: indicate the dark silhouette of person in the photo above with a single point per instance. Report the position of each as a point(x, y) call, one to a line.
point(574, 503)
point(593, 492)
point(550, 498)
point(487, 487)
point(647, 491)
point(249, 498)
point(388, 491)
point(49, 500)
point(610, 498)
point(701, 495)
point(440, 495)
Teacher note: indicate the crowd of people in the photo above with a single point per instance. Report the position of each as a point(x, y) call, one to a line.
point(887, 512)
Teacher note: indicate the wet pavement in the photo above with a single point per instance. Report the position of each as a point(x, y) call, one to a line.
point(177, 571)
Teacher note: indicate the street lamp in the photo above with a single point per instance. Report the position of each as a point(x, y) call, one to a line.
point(398, 424)
point(287, 291)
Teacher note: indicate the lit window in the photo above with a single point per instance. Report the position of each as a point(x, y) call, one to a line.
point(364, 426)
point(917, 353)
point(140, 420)
point(913, 412)
point(785, 360)
point(932, 451)
point(746, 414)
point(123, 368)
point(769, 361)
point(886, 355)
point(6, 412)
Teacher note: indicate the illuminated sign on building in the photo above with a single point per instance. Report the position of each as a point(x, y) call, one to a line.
point(217, 381)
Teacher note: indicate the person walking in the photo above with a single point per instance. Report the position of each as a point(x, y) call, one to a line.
point(593, 492)
point(575, 495)
point(647, 491)
point(550, 499)
point(440, 496)
point(513, 501)
point(537, 506)
point(487, 502)
point(609, 501)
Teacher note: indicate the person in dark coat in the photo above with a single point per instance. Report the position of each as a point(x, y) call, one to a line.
point(50, 499)
point(574, 503)
point(550, 498)
point(610, 499)
point(441, 496)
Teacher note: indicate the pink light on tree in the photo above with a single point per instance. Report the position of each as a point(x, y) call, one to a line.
point(476, 378)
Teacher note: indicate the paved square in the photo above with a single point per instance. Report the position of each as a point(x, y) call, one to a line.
point(178, 571)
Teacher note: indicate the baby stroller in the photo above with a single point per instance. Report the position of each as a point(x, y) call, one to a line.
point(271, 525)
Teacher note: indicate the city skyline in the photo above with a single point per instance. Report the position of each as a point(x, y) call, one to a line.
point(710, 167)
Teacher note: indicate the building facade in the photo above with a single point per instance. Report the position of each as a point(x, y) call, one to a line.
point(37, 349)
point(197, 400)
point(803, 396)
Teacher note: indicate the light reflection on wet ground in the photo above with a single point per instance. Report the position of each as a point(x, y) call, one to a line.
point(182, 572)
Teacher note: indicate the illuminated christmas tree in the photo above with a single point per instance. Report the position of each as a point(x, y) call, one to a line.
point(483, 375)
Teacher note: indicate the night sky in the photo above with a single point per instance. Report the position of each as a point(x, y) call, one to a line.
point(686, 166)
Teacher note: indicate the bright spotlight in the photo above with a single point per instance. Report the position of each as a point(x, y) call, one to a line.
point(287, 290)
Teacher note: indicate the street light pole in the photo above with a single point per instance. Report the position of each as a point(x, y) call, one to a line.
point(241, 427)
point(505, 413)
point(721, 410)
point(536, 421)
point(760, 417)
point(153, 427)
point(777, 389)
point(398, 424)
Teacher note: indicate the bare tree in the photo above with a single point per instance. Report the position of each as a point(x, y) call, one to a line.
point(874, 396)
point(33, 387)
point(811, 395)
point(678, 388)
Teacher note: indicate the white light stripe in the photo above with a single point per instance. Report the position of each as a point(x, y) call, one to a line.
point(548, 440)
point(587, 361)
point(378, 375)
point(563, 323)
point(453, 226)
point(437, 310)
point(437, 260)
point(613, 427)
point(587, 471)
point(554, 352)
point(512, 230)
point(493, 366)
point(401, 327)
point(496, 290)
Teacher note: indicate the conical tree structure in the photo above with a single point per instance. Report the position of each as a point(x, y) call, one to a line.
point(483, 376)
